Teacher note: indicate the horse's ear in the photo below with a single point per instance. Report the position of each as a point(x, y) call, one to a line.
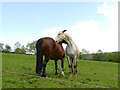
point(64, 31)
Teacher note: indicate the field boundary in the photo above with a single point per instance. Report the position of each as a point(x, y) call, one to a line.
point(53, 79)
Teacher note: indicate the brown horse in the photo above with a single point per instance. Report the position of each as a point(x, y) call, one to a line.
point(51, 50)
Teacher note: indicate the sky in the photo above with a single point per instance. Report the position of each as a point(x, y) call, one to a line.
point(92, 25)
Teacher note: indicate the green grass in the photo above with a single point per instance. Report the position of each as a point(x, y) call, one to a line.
point(106, 73)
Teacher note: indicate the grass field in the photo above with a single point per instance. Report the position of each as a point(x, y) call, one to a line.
point(19, 72)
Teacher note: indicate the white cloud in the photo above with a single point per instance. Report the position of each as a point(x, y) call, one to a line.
point(110, 11)
point(90, 35)
point(51, 32)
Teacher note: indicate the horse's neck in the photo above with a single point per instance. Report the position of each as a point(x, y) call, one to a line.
point(70, 44)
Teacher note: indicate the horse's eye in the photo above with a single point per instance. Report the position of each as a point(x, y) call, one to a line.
point(58, 34)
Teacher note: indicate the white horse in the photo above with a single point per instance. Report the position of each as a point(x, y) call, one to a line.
point(72, 50)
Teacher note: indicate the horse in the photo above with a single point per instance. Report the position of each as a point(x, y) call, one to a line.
point(72, 50)
point(51, 50)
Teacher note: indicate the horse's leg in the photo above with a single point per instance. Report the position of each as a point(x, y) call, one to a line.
point(70, 66)
point(56, 67)
point(75, 65)
point(39, 62)
point(44, 66)
point(62, 65)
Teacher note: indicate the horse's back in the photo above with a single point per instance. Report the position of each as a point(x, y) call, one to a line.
point(50, 48)
point(46, 41)
point(47, 44)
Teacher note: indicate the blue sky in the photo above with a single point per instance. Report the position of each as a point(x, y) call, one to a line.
point(26, 21)
point(40, 15)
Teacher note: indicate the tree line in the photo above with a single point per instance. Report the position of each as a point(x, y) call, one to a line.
point(100, 56)
point(84, 54)
point(18, 48)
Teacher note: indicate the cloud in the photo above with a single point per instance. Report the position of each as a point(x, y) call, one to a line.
point(51, 32)
point(90, 35)
point(110, 11)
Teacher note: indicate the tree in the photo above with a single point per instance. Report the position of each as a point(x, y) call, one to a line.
point(99, 51)
point(85, 53)
point(23, 49)
point(116, 56)
point(17, 50)
point(7, 48)
point(94, 56)
point(1, 47)
point(31, 47)
point(17, 45)
point(110, 57)
point(99, 55)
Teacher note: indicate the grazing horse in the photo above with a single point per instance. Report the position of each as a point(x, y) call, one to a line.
point(72, 50)
point(51, 50)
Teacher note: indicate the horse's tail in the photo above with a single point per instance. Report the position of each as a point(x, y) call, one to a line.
point(39, 56)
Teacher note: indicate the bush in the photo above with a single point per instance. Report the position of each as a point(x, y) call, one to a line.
point(17, 50)
point(80, 55)
point(110, 57)
point(20, 51)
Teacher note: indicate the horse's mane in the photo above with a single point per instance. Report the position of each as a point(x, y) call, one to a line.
point(68, 37)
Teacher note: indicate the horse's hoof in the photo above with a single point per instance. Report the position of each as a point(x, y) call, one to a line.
point(70, 74)
point(39, 72)
point(76, 74)
point(43, 75)
point(46, 77)
point(63, 75)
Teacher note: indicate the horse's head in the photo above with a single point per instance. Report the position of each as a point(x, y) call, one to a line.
point(61, 38)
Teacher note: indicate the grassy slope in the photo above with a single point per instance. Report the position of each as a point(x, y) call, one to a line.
point(106, 73)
